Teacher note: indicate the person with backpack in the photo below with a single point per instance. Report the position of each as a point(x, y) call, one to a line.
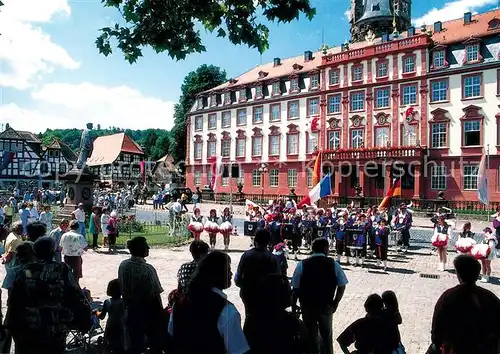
point(319, 284)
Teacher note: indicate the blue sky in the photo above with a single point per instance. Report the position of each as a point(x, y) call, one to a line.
point(51, 74)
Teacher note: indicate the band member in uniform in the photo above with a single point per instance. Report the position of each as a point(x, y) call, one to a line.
point(465, 240)
point(212, 227)
point(297, 237)
point(196, 224)
point(341, 237)
point(382, 232)
point(358, 241)
point(442, 234)
point(403, 224)
point(487, 254)
point(274, 228)
point(226, 227)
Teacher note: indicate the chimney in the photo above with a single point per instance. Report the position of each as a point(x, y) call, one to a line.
point(411, 31)
point(467, 18)
point(277, 62)
point(438, 26)
point(308, 55)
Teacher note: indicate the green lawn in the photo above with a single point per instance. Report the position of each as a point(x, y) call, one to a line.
point(154, 239)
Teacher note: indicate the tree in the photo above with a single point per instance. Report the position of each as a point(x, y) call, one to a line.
point(161, 147)
point(98, 127)
point(202, 79)
point(171, 25)
point(150, 141)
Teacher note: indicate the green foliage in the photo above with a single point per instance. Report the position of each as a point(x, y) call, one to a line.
point(202, 79)
point(170, 25)
point(153, 140)
point(130, 227)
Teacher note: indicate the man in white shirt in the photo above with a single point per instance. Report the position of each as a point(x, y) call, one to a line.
point(79, 215)
point(73, 246)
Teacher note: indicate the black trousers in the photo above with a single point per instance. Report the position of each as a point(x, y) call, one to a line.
point(95, 237)
point(112, 240)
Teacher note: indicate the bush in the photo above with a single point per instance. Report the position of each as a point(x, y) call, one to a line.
point(130, 226)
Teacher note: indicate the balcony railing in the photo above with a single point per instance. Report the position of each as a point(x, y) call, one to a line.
point(402, 44)
point(414, 152)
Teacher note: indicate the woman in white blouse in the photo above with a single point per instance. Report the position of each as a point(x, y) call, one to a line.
point(104, 225)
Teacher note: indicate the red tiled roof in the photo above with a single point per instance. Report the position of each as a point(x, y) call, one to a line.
point(453, 31)
point(107, 148)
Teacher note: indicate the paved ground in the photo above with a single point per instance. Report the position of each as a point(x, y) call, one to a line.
point(417, 295)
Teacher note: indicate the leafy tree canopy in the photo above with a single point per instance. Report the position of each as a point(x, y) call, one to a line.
point(171, 25)
point(202, 79)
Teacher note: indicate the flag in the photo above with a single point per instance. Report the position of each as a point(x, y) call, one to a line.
point(250, 205)
point(215, 168)
point(320, 190)
point(142, 170)
point(316, 177)
point(8, 157)
point(482, 182)
point(393, 192)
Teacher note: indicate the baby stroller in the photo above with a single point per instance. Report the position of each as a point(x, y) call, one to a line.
point(86, 340)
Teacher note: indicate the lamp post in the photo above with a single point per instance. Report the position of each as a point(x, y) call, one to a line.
point(263, 170)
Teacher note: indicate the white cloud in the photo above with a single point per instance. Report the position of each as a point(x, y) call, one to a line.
point(452, 10)
point(26, 51)
point(61, 105)
point(347, 14)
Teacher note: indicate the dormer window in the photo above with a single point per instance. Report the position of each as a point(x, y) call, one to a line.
point(213, 100)
point(276, 88)
point(258, 92)
point(227, 97)
point(409, 64)
point(243, 95)
point(472, 53)
point(294, 84)
point(494, 24)
point(357, 73)
point(199, 103)
point(262, 74)
point(438, 59)
point(314, 81)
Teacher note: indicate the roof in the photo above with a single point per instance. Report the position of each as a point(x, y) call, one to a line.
point(453, 31)
point(166, 158)
point(375, 9)
point(107, 148)
point(10, 133)
point(66, 151)
point(456, 31)
point(166, 162)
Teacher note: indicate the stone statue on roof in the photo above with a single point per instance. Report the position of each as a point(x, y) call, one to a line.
point(85, 146)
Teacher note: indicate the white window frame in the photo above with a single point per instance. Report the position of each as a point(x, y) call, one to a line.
point(272, 112)
point(472, 126)
point(439, 130)
point(309, 177)
point(357, 73)
point(198, 148)
point(197, 178)
point(313, 106)
point(226, 119)
point(438, 177)
point(291, 178)
point(296, 111)
point(256, 178)
point(212, 148)
point(274, 145)
point(227, 97)
point(312, 142)
point(472, 52)
point(410, 136)
point(334, 77)
point(314, 81)
point(410, 94)
point(437, 89)
point(409, 64)
point(334, 102)
point(241, 118)
point(226, 148)
point(357, 101)
point(469, 179)
point(357, 138)
point(240, 145)
point(294, 144)
point(198, 123)
point(472, 87)
point(258, 91)
point(276, 88)
point(258, 112)
point(438, 59)
point(214, 126)
point(382, 101)
point(382, 136)
point(382, 69)
point(274, 178)
point(255, 151)
point(294, 84)
point(333, 139)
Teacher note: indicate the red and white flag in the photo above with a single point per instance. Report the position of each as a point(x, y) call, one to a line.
point(215, 167)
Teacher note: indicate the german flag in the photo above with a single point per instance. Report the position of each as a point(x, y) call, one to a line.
point(318, 164)
point(395, 191)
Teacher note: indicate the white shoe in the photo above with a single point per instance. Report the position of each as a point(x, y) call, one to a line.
point(385, 265)
point(484, 279)
point(378, 263)
point(441, 267)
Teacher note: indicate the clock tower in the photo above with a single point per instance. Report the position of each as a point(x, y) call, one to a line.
point(371, 18)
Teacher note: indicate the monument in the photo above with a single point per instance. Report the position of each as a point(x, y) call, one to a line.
point(79, 180)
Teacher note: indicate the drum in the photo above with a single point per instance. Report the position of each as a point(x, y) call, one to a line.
point(319, 231)
point(250, 228)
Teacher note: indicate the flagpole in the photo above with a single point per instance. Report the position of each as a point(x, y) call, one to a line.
point(488, 170)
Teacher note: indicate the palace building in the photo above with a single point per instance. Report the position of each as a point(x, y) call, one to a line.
point(396, 101)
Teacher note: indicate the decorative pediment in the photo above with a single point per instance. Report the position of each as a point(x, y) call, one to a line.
point(471, 40)
point(494, 24)
point(257, 131)
point(212, 137)
point(263, 74)
point(356, 120)
point(382, 118)
point(226, 135)
point(240, 134)
point(439, 47)
point(198, 138)
point(472, 111)
point(334, 123)
point(292, 128)
point(297, 67)
point(440, 114)
point(274, 130)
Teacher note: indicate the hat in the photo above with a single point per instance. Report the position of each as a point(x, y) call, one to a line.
point(80, 204)
point(279, 247)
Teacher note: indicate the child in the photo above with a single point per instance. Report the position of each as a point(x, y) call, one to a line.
point(391, 311)
point(466, 240)
point(491, 241)
point(226, 227)
point(46, 218)
point(196, 224)
point(442, 234)
point(212, 227)
point(115, 334)
point(281, 253)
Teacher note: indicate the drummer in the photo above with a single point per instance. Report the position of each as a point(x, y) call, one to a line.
point(341, 236)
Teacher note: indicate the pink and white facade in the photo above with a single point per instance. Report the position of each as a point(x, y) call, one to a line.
point(417, 105)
